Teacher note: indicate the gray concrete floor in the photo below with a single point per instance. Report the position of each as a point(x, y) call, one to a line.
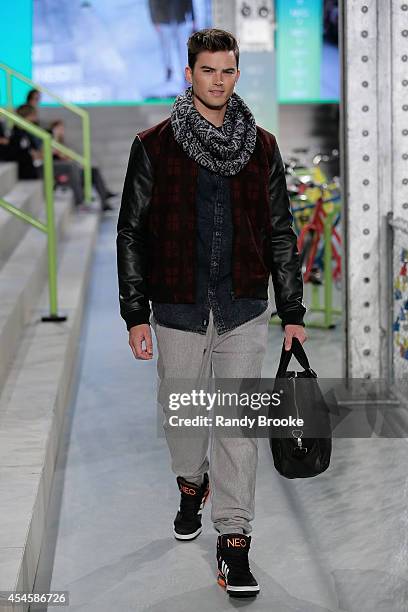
point(338, 542)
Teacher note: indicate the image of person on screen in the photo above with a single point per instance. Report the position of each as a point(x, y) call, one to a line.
point(204, 222)
point(167, 16)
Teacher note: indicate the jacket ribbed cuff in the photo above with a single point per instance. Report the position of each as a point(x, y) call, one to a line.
point(137, 317)
point(292, 318)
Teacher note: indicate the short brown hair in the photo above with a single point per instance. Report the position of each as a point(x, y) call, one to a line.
point(211, 39)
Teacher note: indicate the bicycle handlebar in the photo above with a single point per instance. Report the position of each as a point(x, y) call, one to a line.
point(325, 157)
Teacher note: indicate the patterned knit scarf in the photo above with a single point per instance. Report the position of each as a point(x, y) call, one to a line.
point(225, 150)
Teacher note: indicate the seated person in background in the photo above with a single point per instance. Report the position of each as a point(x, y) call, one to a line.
point(33, 98)
point(4, 142)
point(24, 148)
point(63, 165)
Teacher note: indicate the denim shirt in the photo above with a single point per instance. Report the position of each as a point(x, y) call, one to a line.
point(213, 258)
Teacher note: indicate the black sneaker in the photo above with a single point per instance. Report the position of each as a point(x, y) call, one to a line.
point(187, 524)
point(233, 565)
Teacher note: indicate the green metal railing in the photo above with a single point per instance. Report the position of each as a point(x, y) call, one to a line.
point(85, 158)
point(48, 227)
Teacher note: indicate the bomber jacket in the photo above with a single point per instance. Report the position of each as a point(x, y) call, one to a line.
point(156, 228)
point(214, 238)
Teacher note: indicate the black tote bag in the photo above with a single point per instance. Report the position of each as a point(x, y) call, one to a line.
point(304, 451)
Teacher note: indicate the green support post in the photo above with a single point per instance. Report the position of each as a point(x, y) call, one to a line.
point(51, 243)
point(315, 305)
point(87, 157)
point(48, 227)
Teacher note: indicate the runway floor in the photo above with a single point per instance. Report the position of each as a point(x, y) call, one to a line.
point(338, 542)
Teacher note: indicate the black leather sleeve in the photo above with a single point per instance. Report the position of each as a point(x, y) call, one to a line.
point(284, 256)
point(131, 240)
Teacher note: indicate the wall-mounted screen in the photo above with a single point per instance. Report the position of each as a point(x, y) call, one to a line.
point(307, 50)
point(114, 51)
point(134, 51)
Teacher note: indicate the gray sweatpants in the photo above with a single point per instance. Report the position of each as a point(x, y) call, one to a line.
point(233, 461)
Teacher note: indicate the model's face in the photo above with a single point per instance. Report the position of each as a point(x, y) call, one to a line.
point(213, 77)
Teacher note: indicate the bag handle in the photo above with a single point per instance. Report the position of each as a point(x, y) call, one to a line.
point(298, 351)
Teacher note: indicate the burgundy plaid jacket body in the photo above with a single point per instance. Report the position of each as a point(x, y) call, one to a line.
point(157, 228)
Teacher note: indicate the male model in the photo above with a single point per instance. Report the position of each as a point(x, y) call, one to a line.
point(204, 221)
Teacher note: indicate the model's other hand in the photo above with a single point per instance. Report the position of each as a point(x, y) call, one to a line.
point(294, 331)
point(137, 335)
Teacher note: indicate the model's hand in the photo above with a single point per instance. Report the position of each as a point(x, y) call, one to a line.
point(138, 334)
point(294, 331)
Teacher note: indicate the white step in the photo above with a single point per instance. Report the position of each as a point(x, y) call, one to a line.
point(8, 177)
point(32, 408)
point(22, 279)
point(28, 197)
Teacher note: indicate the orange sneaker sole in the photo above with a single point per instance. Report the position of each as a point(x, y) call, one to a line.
point(221, 580)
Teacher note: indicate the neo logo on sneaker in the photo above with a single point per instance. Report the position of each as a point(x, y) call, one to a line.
point(187, 490)
point(236, 542)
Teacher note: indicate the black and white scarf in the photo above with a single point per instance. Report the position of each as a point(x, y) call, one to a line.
point(225, 150)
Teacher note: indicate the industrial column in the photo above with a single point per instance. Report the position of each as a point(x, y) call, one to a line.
point(375, 179)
